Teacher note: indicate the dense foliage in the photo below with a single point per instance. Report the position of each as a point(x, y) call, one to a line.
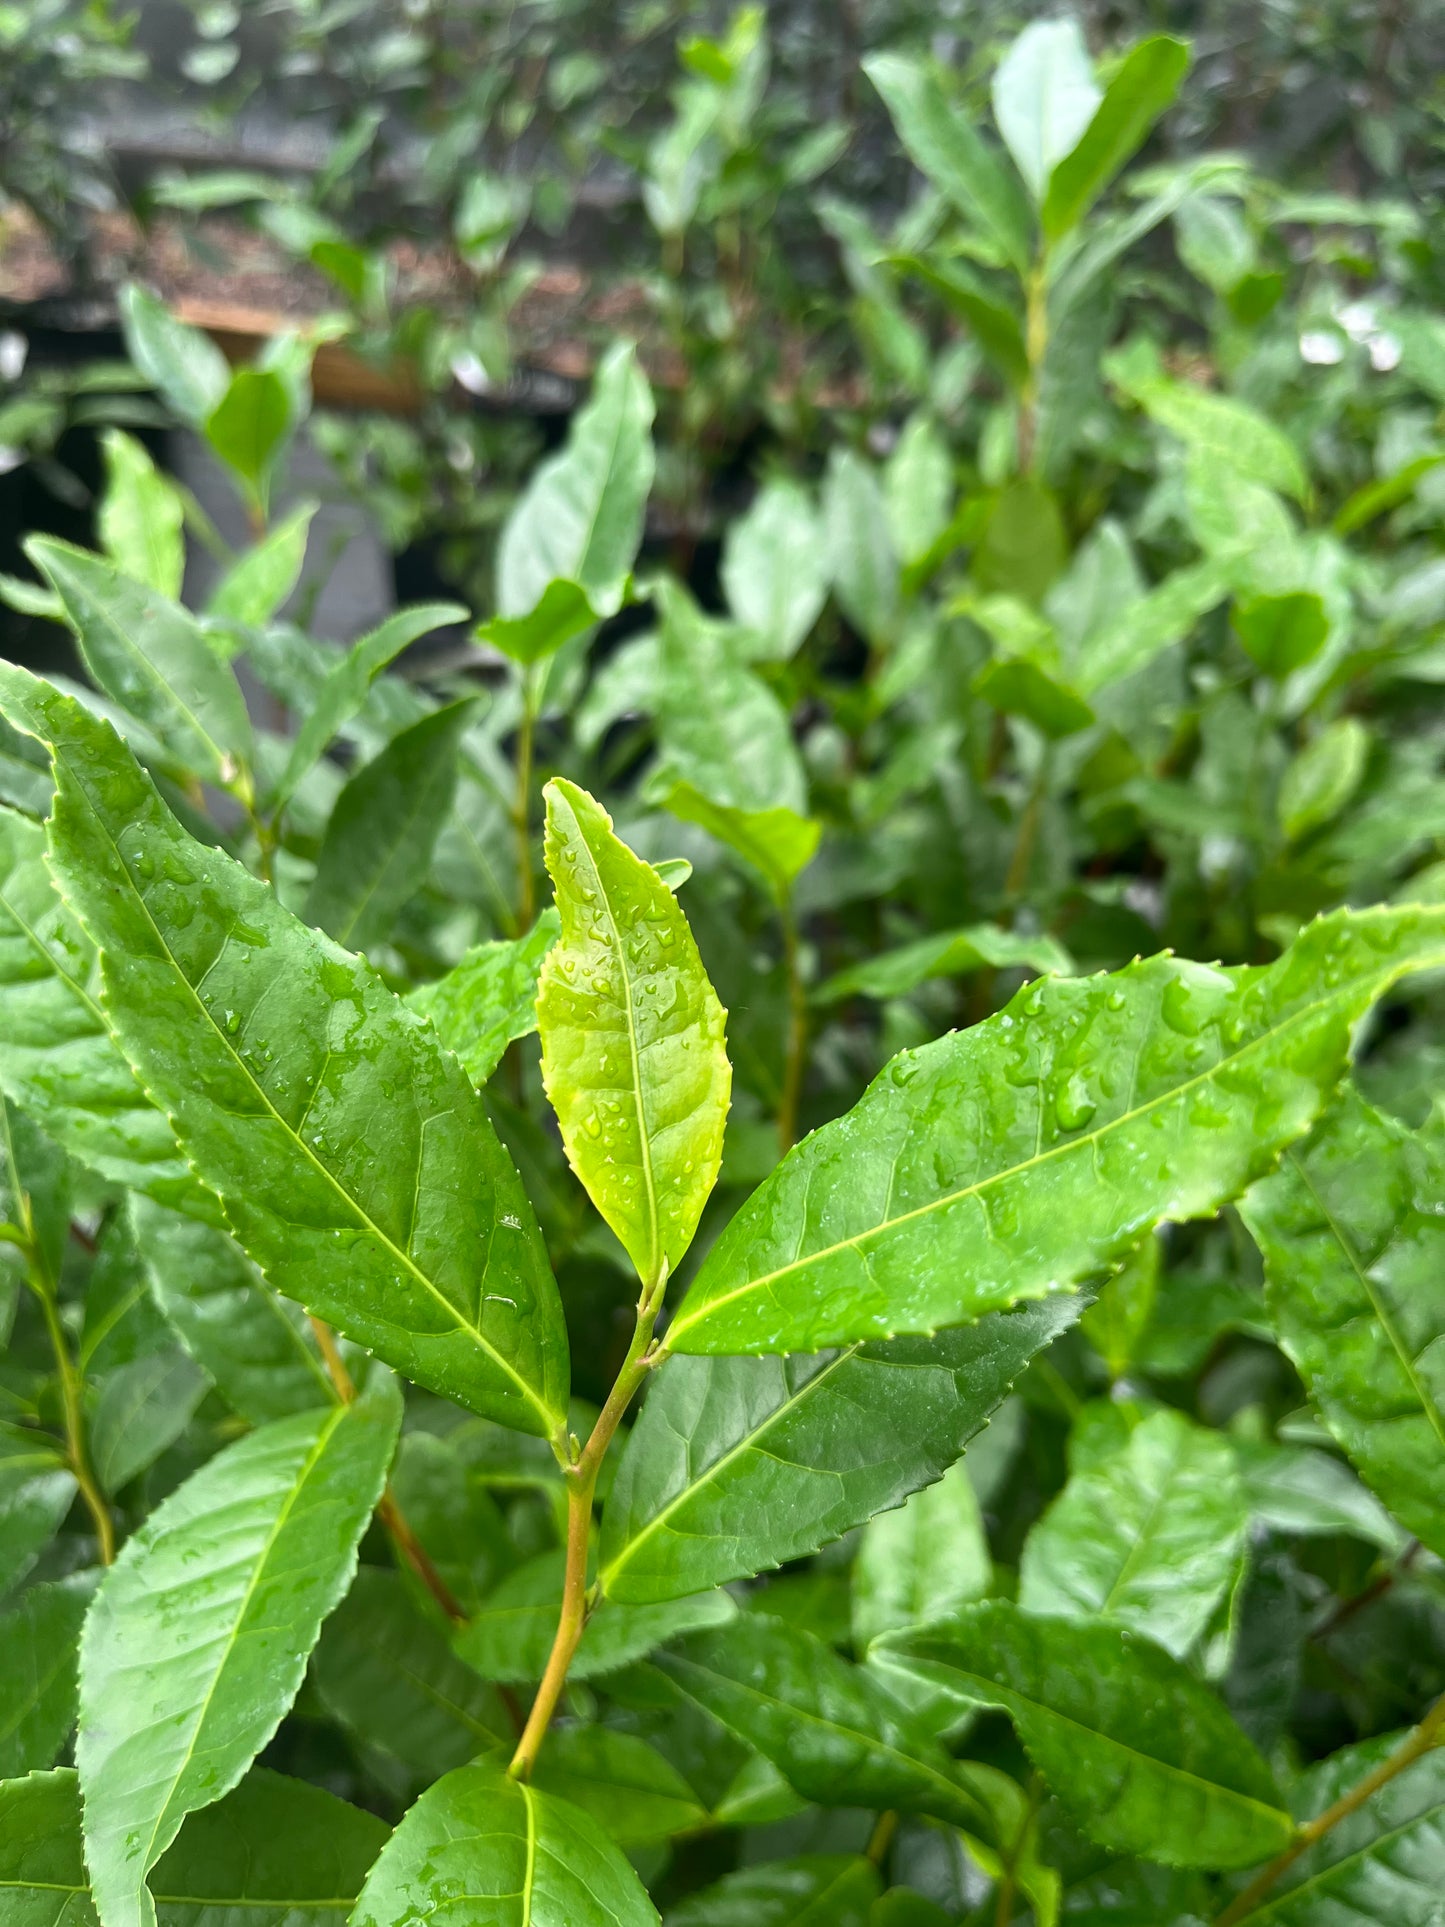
point(759, 1242)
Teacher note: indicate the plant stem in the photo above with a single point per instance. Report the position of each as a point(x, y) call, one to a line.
point(71, 1399)
point(388, 1511)
point(522, 805)
point(1427, 1735)
point(795, 1058)
point(1026, 836)
point(881, 1839)
point(1036, 344)
point(581, 1477)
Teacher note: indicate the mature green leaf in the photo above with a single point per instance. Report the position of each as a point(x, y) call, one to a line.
point(452, 1513)
point(991, 316)
point(1144, 84)
point(902, 1907)
point(249, 424)
point(941, 143)
point(861, 558)
point(511, 1636)
point(1119, 1316)
point(186, 365)
point(252, 1344)
point(489, 998)
point(276, 1853)
point(274, 1054)
point(39, 1635)
point(57, 1056)
point(922, 1561)
point(1323, 777)
point(36, 1488)
point(774, 570)
point(918, 489)
point(481, 1848)
point(389, 1677)
point(947, 953)
point(723, 731)
point(198, 1638)
point(35, 1188)
point(566, 552)
point(1152, 624)
point(150, 656)
point(1149, 1537)
point(633, 1054)
point(629, 1789)
point(739, 1464)
point(1296, 1489)
point(815, 1890)
point(1225, 431)
point(1044, 98)
point(379, 841)
point(1384, 1862)
point(1144, 1757)
point(1354, 1260)
point(141, 1410)
point(1018, 1157)
point(832, 1731)
point(778, 843)
point(141, 518)
point(259, 581)
point(1282, 632)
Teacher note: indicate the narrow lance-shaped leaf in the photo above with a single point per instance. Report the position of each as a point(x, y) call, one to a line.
point(498, 1853)
point(948, 953)
point(378, 843)
point(1145, 82)
point(566, 552)
point(185, 364)
point(1354, 1259)
point(58, 1059)
point(489, 998)
point(141, 517)
point(1144, 1757)
point(150, 656)
point(773, 569)
point(1044, 97)
point(189, 1659)
point(778, 843)
point(1019, 1157)
point(1149, 1537)
point(633, 1056)
point(259, 581)
point(739, 1464)
point(276, 1853)
point(279, 1059)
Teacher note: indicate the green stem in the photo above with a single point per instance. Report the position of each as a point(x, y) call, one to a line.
point(1027, 836)
point(1036, 344)
point(1427, 1735)
point(796, 1050)
point(581, 1477)
point(522, 805)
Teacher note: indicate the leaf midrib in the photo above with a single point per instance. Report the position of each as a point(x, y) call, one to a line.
point(682, 1323)
point(403, 1257)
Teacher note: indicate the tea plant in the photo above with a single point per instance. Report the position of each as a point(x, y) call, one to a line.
point(792, 1381)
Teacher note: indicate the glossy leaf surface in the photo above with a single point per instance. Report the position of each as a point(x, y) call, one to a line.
point(947, 953)
point(736, 1465)
point(198, 1637)
point(778, 843)
point(1354, 1252)
point(815, 1890)
point(1144, 1757)
point(276, 1096)
point(628, 1787)
point(480, 1850)
point(36, 1488)
point(141, 516)
point(489, 998)
point(1149, 1537)
point(633, 1053)
point(260, 580)
point(1145, 83)
point(923, 1561)
point(39, 1634)
point(1015, 1158)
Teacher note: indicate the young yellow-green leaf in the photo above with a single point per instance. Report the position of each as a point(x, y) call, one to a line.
point(566, 552)
point(249, 424)
point(275, 1853)
point(148, 654)
point(39, 1636)
point(141, 516)
point(197, 1641)
point(36, 1488)
point(185, 364)
point(1322, 778)
point(58, 1059)
point(1143, 1756)
point(815, 1890)
point(923, 1561)
point(1354, 1260)
point(256, 1347)
point(1149, 1536)
point(482, 1848)
point(379, 840)
point(1222, 430)
point(778, 843)
point(1282, 632)
point(633, 1054)
point(948, 953)
point(259, 580)
point(489, 998)
point(1144, 83)
point(356, 1164)
point(1019, 1157)
point(630, 1790)
point(1044, 97)
point(739, 1464)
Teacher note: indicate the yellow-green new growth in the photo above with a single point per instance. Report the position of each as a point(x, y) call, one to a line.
point(633, 1050)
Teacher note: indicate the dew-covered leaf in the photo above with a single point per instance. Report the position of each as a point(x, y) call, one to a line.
point(489, 998)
